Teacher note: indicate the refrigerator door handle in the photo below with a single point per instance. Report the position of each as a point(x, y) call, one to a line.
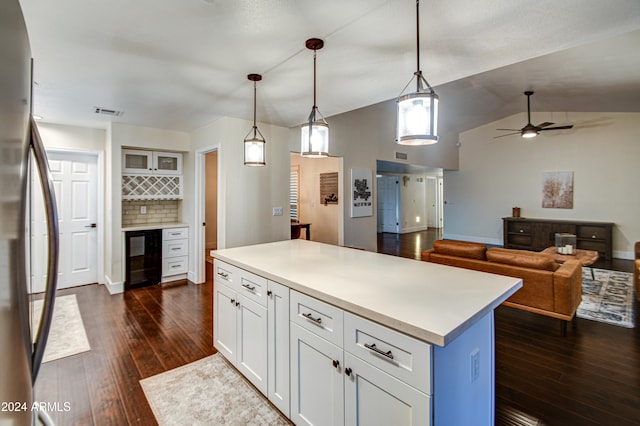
point(46, 180)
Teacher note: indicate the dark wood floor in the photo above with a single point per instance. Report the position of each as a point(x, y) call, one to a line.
point(589, 377)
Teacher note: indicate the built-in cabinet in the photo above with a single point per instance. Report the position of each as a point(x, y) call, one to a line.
point(319, 364)
point(175, 253)
point(151, 175)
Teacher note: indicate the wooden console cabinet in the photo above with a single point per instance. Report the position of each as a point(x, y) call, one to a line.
point(538, 234)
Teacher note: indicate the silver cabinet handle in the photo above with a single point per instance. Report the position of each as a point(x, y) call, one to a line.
point(223, 275)
point(48, 190)
point(249, 287)
point(311, 318)
point(373, 348)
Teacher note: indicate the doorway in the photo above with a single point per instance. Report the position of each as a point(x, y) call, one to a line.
point(210, 204)
point(75, 178)
point(209, 229)
point(388, 203)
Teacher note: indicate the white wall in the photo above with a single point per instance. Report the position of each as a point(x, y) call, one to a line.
point(363, 136)
point(498, 174)
point(324, 219)
point(246, 195)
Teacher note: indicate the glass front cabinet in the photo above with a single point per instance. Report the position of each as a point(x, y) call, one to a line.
point(151, 162)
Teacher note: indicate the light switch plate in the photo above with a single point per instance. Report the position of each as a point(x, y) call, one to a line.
point(277, 211)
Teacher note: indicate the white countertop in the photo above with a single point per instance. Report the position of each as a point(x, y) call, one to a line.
point(431, 302)
point(148, 226)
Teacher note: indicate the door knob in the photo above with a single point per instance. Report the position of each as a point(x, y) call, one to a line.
point(93, 225)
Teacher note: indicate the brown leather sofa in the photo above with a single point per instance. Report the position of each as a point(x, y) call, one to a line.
point(636, 271)
point(548, 288)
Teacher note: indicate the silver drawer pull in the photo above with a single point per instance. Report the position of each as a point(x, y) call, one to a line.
point(311, 318)
point(176, 266)
point(175, 248)
point(373, 347)
point(249, 287)
point(223, 275)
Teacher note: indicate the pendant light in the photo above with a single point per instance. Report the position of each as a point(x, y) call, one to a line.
point(314, 137)
point(254, 143)
point(418, 111)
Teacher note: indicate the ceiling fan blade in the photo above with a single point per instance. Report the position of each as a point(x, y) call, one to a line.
point(508, 134)
point(545, 124)
point(511, 130)
point(558, 127)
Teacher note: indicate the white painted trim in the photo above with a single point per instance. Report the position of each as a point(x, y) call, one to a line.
point(113, 288)
point(199, 275)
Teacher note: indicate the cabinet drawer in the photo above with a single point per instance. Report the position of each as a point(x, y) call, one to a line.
point(317, 317)
point(225, 273)
point(175, 233)
point(253, 287)
point(593, 232)
point(174, 266)
point(401, 356)
point(174, 248)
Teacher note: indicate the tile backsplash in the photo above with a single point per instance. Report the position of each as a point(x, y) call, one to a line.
point(158, 211)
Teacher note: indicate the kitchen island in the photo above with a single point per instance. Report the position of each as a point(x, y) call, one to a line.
point(412, 342)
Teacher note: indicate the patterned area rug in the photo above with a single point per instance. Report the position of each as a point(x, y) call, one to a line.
point(208, 392)
point(67, 335)
point(607, 296)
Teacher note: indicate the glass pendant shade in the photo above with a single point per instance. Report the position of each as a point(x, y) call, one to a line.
point(314, 134)
point(254, 149)
point(417, 112)
point(417, 119)
point(314, 138)
point(254, 143)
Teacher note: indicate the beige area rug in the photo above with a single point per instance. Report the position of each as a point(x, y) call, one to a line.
point(67, 335)
point(208, 392)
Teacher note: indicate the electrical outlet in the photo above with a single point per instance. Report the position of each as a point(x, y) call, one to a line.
point(277, 211)
point(143, 209)
point(475, 364)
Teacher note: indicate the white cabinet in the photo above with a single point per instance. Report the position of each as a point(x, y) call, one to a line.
point(278, 346)
point(175, 253)
point(136, 161)
point(240, 333)
point(317, 390)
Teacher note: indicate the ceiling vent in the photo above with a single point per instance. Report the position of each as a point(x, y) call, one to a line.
point(106, 111)
point(401, 155)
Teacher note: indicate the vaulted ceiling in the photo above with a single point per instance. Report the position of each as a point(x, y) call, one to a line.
point(181, 64)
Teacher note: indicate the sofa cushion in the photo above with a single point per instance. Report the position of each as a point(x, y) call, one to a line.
point(460, 248)
point(523, 258)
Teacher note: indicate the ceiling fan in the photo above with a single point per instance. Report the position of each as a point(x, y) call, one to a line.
point(531, 131)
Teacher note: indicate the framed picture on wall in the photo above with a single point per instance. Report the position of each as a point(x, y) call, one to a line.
point(361, 193)
point(557, 190)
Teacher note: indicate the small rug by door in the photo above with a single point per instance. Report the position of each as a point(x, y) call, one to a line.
point(208, 392)
point(67, 335)
point(607, 296)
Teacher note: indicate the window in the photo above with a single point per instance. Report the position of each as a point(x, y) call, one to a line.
point(294, 212)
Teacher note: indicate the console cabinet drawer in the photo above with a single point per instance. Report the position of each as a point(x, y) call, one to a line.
point(592, 232)
point(395, 353)
point(317, 317)
point(174, 248)
point(175, 265)
point(175, 234)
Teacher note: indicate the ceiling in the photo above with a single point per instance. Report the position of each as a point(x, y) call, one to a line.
point(181, 64)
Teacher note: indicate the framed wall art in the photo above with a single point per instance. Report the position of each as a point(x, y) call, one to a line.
point(361, 193)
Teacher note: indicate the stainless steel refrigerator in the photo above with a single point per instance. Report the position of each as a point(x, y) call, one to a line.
point(20, 359)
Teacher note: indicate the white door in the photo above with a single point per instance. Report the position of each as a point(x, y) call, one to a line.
point(75, 179)
point(388, 203)
point(278, 345)
point(225, 318)
point(317, 391)
point(373, 397)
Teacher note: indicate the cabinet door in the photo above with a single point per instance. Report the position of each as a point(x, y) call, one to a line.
point(278, 345)
point(137, 161)
point(251, 354)
point(167, 163)
point(373, 397)
point(224, 322)
point(317, 391)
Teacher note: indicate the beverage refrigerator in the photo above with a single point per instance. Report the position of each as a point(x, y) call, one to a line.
point(21, 348)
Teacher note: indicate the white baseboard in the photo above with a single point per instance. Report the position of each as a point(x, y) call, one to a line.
point(627, 255)
point(113, 288)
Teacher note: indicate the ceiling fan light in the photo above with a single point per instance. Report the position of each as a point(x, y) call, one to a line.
point(529, 133)
point(417, 122)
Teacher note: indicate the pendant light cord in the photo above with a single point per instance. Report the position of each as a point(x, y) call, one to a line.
point(254, 109)
point(315, 105)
